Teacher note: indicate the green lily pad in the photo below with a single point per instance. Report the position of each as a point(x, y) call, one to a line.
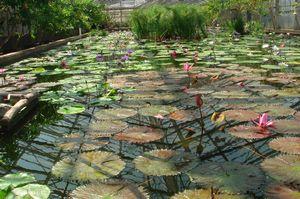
point(165, 162)
point(284, 168)
point(15, 180)
point(71, 109)
point(229, 177)
point(89, 166)
point(32, 191)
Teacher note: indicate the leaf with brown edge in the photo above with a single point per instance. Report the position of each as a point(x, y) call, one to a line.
point(206, 194)
point(240, 115)
point(140, 134)
point(108, 190)
point(284, 168)
point(249, 132)
point(290, 145)
point(115, 114)
point(282, 192)
point(287, 126)
point(183, 115)
point(275, 110)
point(165, 162)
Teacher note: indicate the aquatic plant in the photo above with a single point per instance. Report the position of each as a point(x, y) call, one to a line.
point(264, 122)
point(165, 162)
point(22, 185)
point(110, 189)
point(229, 177)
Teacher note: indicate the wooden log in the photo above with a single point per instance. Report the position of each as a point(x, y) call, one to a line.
point(12, 114)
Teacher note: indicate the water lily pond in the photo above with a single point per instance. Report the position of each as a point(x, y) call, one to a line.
point(121, 118)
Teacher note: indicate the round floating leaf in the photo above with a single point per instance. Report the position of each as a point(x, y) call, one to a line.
point(89, 166)
point(32, 191)
point(205, 194)
point(282, 192)
point(240, 115)
point(231, 94)
point(290, 145)
point(157, 110)
point(183, 115)
point(115, 114)
point(109, 190)
point(287, 126)
point(75, 141)
point(230, 177)
point(15, 180)
point(140, 134)
point(107, 127)
point(285, 168)
point(275, 110)
point(165, 162)
point(249, 132)
point(297, 116)
point(71, 109)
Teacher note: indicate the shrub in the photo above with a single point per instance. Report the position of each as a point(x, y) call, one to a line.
point(161, 22)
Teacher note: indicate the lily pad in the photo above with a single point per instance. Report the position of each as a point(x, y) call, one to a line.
point(15, 180)
point(152, 111)
point(287, 126)
point(115, 114)
point(165, 162)
point(76, 141)
point(275, 110)
point(284, 168)
point(89, 166)
point(230, 177)
point(183, 115)
point(32, 191)
point(71, 109)
point(205, 194)
point(290, 145)
point(240, 115)
point(107, 127)
point(140, 135)
point(282, 192)
point(109, 190)
point(249, 132)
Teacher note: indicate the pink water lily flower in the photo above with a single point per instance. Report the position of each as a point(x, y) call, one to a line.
point(159, 116)
point(2, 70)
point(187, 67)
point(264, 122)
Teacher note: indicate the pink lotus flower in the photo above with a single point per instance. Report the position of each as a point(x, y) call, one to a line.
point(185, 89)
point(264, 122)
point(187, 67)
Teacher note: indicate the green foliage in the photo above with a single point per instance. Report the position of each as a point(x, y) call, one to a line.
point(22, 185)
point(237, 25)
point(60, 16)
point(255, 28)
point(160, 21)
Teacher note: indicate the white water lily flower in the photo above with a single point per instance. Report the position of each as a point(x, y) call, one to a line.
point(275, 48)
point(265, 59)
point(211, 43)
point(265, 46)
point(282, 64)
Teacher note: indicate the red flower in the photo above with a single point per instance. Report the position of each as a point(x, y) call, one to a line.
point(199, 101)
